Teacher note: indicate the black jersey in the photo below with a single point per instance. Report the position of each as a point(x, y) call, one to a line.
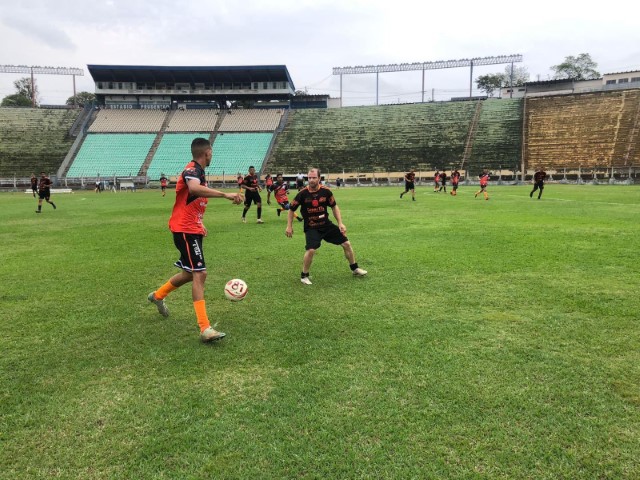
point(314, 206)
point(251, 181)
point(539, 176)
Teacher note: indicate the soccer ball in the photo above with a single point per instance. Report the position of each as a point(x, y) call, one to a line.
point(235, 290)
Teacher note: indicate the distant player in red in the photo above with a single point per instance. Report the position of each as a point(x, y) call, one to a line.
point(34, 184)
point(163, 184)
point(484, 181)
point(455, 179)
point(314, 201)
point(280, 191)
point(192, 196)
point(538, 182)
point(252, 187)
point(268, 182)
point(443, 181)
point(436, 181)
point(44, 192)
point(409, 184)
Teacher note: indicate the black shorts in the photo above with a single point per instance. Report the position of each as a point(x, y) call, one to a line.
point(285, 205)
point(251, 196)
point(455, 186)
point(329, 233)
point(44, 194)
point(34, 189)
point(163, 187)
point(539, 185)
point(300, 184)
point(409, 186)
point(191, 255)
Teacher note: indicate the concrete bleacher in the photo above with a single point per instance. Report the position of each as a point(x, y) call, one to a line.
point(252, 120)
point(111, 154)
point(498, 139)
point(193, 121)
point(132, 121)
point(236, 152)
point(34, 139)
point(588, 130)
point(173, 153)
point(389, 138)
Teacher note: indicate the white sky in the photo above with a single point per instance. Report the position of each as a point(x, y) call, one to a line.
point(311, 37)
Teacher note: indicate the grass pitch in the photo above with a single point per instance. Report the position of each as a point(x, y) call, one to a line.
point(491, 339)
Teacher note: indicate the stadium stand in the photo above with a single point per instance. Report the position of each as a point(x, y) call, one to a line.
point(388, 138)
point(235, 152)
point(34, 139)
point(172, 154)
point(128, 121)
point(193, 121)
point(590, 130)
point(498, 139)
point(111, 155)
point(254, 120)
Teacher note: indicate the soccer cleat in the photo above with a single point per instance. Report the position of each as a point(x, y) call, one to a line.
point(359, 272)
point(244, 220)
point(413, 199)
point(209, 334)
point(306, 281)
point(259, 221)
point(401, 195)
point(162, 307)
point(475, 195)
point(37, 211)
point(300, 219)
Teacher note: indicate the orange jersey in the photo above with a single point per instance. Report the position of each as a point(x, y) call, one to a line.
point(280, 191)
point(188, 210)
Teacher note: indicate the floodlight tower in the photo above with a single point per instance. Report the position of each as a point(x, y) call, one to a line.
point(43, 70)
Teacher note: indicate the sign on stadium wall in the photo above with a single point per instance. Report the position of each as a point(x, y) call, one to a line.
point(136, 106)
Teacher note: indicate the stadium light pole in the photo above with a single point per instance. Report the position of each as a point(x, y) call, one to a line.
point(45, 71)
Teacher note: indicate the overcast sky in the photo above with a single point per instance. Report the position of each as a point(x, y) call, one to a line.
point(312, 37)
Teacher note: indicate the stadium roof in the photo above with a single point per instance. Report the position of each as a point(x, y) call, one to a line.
point(230, 74)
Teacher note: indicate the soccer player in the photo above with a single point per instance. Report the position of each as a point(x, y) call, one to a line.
point(484, 181)
point(409, 184)
point(192, 196)
point(163, 184)
point(34, 184)
point(280, 191)
point(240, 179)
point(44, 191)
point(300, 181)
point(455, 179)
point(314, 202)
point(436, 179)
point(97, 189)
point(250, 184)
point(268, 182)
point(443, 181)
point(538, 182)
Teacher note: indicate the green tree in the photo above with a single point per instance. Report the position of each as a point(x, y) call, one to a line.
point(26, 89)
point(16, 100)
point(81, 99)
point(490, 83)
point(581, 67)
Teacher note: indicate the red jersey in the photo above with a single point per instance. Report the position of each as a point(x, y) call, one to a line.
point(280, 191)
point(455, 177)
point(188, 210)
point(268, 182)
point(484, 179)
point(163, 181)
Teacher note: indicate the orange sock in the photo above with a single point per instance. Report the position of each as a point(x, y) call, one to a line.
point(164, 290)
point(201, 314)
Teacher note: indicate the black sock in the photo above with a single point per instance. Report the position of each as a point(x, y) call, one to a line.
point(244, 212)
point(304, 275)
point(259, 212)
point(353, 266)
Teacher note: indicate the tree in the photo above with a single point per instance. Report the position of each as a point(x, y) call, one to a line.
point(299, 93)
point(16, 100)
point(26, 89)
point(81, 99)
point(581, 67)
point(490, 82)
point(520, 76)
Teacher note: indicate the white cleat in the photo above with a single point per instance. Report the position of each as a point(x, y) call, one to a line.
point(209, 334)
point(162, 307)
point(244, 220)
point(359, 272)
point(259, 221)
point(306, 281)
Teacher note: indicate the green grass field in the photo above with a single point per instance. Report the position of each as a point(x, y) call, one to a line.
point(491, 339)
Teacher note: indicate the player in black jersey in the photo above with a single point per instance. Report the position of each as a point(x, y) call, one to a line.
point(252, 187)
point(409, 185)
point(538, 182)
point(44, 192)
point(314, 202)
